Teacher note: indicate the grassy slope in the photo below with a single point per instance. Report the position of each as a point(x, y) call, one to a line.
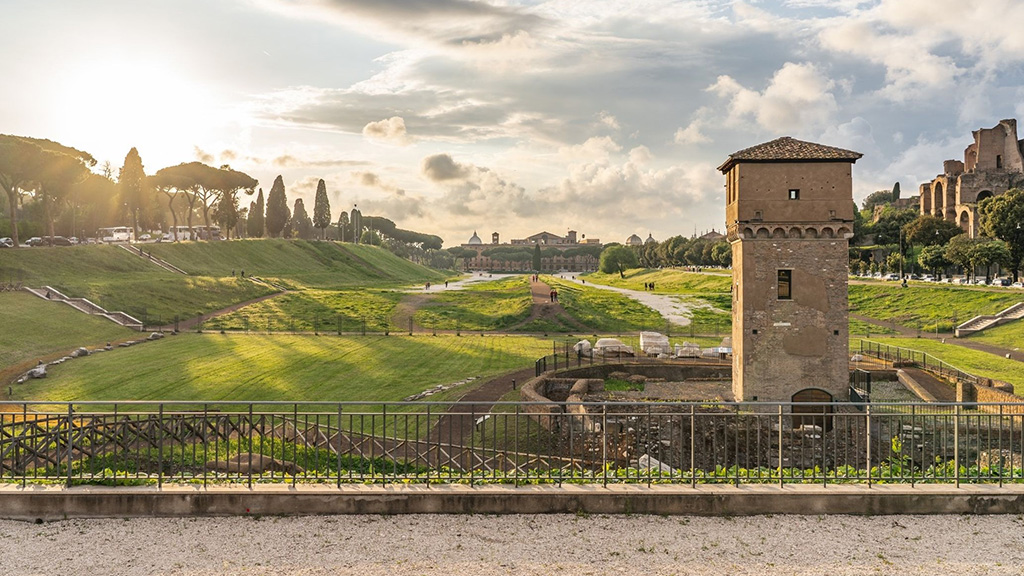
point(1009, 336)
point(603, 310)
point(34, 328)
point(239, 367)
point(301, 310)
point(971, 361)
point(483, 306)
point(927, 305)
point(667, 281)
point(313, 264)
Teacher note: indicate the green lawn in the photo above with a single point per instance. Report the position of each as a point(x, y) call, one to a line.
point(971, 361)
point(242, 368)
point(484, 306)
point(33, 328)
point(926, 305)
point(1009, 335)
point(296, 262)
point(306, 310)
point(603, 310)
point(666, 281)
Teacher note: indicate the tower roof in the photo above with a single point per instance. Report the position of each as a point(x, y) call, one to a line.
point(788, 149)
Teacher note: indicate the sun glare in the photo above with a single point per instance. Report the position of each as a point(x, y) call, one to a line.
point(112, 104)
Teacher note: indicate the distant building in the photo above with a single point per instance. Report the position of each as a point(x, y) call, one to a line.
point(993, 164)
point(572, 254)
point(712, 236)
point(634, 240)
point(650, 239)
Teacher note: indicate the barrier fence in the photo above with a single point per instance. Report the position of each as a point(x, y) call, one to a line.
point(131, 443)
point(901, 357)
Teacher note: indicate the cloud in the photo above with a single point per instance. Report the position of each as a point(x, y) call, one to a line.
point(606, 119)
point(292, 161)
point(692, 134)
point(441, 167)
point(798, 99)
point(202, 155)
point(372, 180)
point(390, 130)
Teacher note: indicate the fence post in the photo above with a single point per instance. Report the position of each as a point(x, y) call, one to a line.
point(867, 430)
point(160, 443)
point(956, 444)
point(779, 469)
point(693, 446)
point(70, 439)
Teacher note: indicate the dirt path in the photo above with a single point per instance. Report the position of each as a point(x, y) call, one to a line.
point(455, 427)
point(942, 391)
point(544, 308)
point(945, 337)
point(189, 323)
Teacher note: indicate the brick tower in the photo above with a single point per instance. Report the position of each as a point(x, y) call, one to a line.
point(789, 217)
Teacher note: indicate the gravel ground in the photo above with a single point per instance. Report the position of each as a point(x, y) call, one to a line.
point(455, 545)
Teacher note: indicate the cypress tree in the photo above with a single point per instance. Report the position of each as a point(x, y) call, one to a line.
point(254, 226)
point(536, 257)
point(356, 223)
point(302, 226)
point(321, 209)
point(277, 208)
point(132, 188)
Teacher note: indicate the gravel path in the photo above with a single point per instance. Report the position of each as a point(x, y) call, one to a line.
point(473, 544)
point(670, 307)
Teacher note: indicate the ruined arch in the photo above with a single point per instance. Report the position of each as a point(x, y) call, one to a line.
point(984, 195)
point(965, 221)
point(812, 406)
point(938, 200)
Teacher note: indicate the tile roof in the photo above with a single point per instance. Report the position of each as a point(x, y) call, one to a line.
point(788, 149)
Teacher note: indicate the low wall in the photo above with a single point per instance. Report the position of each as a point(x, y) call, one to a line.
point(967, 392)
point(45, 504)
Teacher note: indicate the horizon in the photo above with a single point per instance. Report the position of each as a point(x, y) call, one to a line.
point(517, 117)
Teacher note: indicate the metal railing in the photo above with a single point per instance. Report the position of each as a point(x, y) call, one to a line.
point(509, 442)
point(899, 356)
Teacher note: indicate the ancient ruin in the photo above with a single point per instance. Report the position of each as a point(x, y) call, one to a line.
point(993, 164)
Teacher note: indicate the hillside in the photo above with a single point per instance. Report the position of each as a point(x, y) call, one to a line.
point(311, 264)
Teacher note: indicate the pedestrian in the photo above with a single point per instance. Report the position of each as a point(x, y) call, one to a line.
point(445, 283)
point(556, 295)
point(232, 272)
point(243, 274)
point(551, 295)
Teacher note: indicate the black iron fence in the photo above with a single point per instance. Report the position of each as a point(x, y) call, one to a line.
point(903, 357)
point(517, 443)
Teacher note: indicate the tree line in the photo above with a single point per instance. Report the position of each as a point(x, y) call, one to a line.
point(51, 189)
point(675, 251)
point(921, 242)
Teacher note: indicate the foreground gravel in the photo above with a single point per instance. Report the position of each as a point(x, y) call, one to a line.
point(456, 545)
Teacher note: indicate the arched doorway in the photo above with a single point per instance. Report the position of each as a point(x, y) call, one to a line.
point(812, 406)
point(938, 200)
point(984, 195)
point(965, 221)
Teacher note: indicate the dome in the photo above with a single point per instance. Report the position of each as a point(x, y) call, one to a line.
point(650, 238)
point(475, 239)
point(634, 240)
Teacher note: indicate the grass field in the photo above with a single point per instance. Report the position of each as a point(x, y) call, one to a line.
point(242, 368)
point(297, 262)
point(603, 310)
point(926, 305)
point(666, 281)
point(484, 306)
point(971, 361)
point(33, 328)
point(1010, 336)
point(314, 309)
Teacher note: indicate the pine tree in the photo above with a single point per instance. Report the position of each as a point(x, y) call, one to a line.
point(277, 208)
point(256, 219)
point(302, 226)
point(321, 209)
point(132, 187)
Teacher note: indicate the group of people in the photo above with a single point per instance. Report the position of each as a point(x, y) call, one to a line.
point(554, 295)
point(242, 275)
point(649, 286)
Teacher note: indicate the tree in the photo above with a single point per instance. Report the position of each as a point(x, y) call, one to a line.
point(277, 208)
point(928, 230)
point(934, 258)
point(226, 213)
point(895, 191)
point(302, 226)
point(371, 237)
point(356, 223)
point(172, 183)
point(536, 257)
point(1002, 217)
point(617, 258)
point(343, 226)
point(960, 252)
point(254, 227)
point(321, 209)
point(988, 253)
point(722, 254)
point(877, 198)
point(59, 173)
point(890, 222)
point(131, 183)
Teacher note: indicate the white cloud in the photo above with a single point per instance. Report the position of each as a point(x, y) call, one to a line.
point(390, 130)
point(692, 134)
point(798, 99)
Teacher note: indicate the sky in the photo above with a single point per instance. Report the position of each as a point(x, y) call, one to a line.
point(607, 117)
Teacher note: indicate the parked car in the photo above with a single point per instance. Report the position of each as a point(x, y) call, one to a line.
point(1017, 285)
point(892, 277)
point(34, 241)
point(6, 243)
point(1003, 281)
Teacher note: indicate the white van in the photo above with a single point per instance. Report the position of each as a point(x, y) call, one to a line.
point(116, 234)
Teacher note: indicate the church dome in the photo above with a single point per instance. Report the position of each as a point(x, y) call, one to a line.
point(475, 239)
point(634, 240)
point(650, 238)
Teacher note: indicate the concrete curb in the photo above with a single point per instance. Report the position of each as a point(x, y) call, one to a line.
point(56, 503)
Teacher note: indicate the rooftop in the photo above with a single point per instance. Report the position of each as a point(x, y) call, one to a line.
point(788, 149)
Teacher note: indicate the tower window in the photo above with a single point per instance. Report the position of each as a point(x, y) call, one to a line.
point(785, 284)
point(794, 193)
point(999, 161)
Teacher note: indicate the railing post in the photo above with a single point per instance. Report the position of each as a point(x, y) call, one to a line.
point(160, 447)
point(693, 446)
point(779, 469)
point(71, 411)
point(956, 444)
point(867, 431)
